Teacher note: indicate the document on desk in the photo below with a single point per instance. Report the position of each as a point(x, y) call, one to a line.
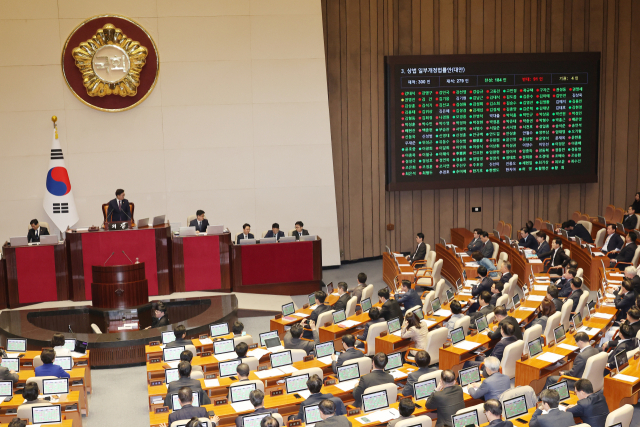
point(173, 365)
point(379, 416)
point(304, 394)
point(226, 356)
point(467, 345)
point(242, 406)
point(597, 254)
point(616, 274)
point(397, 333)
point(471, 264)
point(534, 261)
point(550, 357)
point(626, 378)
point(212, 383)
point(540, 288)
point(542, 279)
point(471, 282)
point(257, 353)
point(527, 309)
point(267, 373)
point(300, 314)
point(536, 298)
point(430, 323)
point(348, 323)
point(288, 369)
point(397, 374)
point(326, 360)
point(77, 355)
point(568, 346)
point(469, 294)
point(443, 313)
point(614, 281)
point(602, 315)
point(205, 341)
point(348, 385)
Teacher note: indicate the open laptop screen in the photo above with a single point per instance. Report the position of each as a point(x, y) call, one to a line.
point(265, 335)
point(218, 329)
point(515, 407)
point(424, 389)
point(366, 305)
point(374, 401)
point(562, 388)
point(296, 383)
point(51, 414)
point(469, 376)
point(465, 419)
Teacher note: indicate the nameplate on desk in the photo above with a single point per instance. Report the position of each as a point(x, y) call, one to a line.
point(551, 344)
point(473, 332)
point(636, 356)
point(307, 358)
point(327, 324)
point(278, 316)
point(524, 357)
point(219, 402)
point(253, 346)
point(351, 412)
point(358, 312)
point(154, 361)
point(329, 381)
point(277, 392)
point(305, 306)
point(263, 368)
point(203, 337)
point(205, 354)
point(383, 334)
point(161, 410)
point(512, 309)
point(154, 343)
point(210, 376)
point(122, 225)
point(613, 372)
point(446, 344)
point(294, 423)
point(571, 329)
point(155, 383)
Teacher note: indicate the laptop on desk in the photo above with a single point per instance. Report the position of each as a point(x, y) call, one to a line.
point(49, 240)
point(144, 222)
point(158, 220)
point(187, 231)
point(267, 240)
point(248, 242)
point(18, 241)
point(215, 229)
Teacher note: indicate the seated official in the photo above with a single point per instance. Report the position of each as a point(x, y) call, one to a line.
point(30, 392)
point(48, 368)
point(118, 208)
point(529, 225)
point(362, 283)
point(374, 316)
point(447, 399)
point(507, 333)
point(423, 360)
point(485, 262)
point(456, 314)
point(485, 285)
point(625, 298)
point(187, 410)
point(592, 407)
point(486, 308)
point(275, 232)
point(580, 362)
point(184, 370)
point(267, 421)
point(547, 309)
point(350, 352)
point(496, 292)
point(187, 356)
point(564, 283)
point(415, 330)
point(181, 337)
point(406, 407)
point(390, 308)
point(17, 422)
point(548, 414)
point(576, 292)
point(36, 231)
point(343, 298)
point(160, 318)
point(57, 342)
point(256, 397)
point(633, 320)
point(557, 255)
point(314, 384)
point(292, 339)
point(421, 250)
point(299, 231)
point(627, 343)
point(328, 414)
point(200, 223)
point(377, 377)
point(320, 296)
point(543, 247)
point(6, 374)
point(476, 243)
point(626, 253)
point(494, 384)
point(613, 242)
point(527, 240)
point(243, 372)
point(409, 298)
point(241, 349)
point(237, 328)
point(552, 295)
point(630, 220)
point(501, 317)
point(505, 269)
point(577, 230)
point(246, 233)
point(493, 412)
point(487, 245)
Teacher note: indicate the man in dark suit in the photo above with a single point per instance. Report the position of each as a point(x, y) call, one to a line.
point(184, 369)
point(627, 252)
point(576, 292)
point(630, 220)
point(586, 351)
point(299, 231)
point(409, 299)
point(527, 240)
point(187, 411)
point(559, 259)
point(118, 209)
point(493, 412)
point(341, 304)
point(552, 295)
point(485, 309)
point(275, 231)
point(390, 308)
point(496, 292)
point(625, 298)
point(349, 353)
point(314, 384)
point(181, 334)
point(362, 283)
point(377, 377)
point(374, 315)
point(246, 233)
point(200, 223)
point(633, 320)
point(292, 339)
point(447, 399)
point(329, 417)
point(592, 407)
point(505, 269)
point(552, 416)
point(577, 230)
point(485, 285)
point(613, 242)
point(256, 397)
point(626, 343)
point(501, 316)
point(423, 360)
point(543, 246)
point(421, 249)
point(507, 330)
point(564, 283)
point(321, 296)
point(487, 245)
point(476, 244)
point(36, 231)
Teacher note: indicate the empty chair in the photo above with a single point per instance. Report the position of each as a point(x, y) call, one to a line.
point(431, 259)
point(565, 314)
point(496, 249)
point(621, 415)
point(426, 303)
point(390, 388)
point(575, 216)
point(618, 215)
point(482, 418)
point(326, 317)
point(350, 310)
point(95, 328)
point(297, 355)
point(429, 278)
point(609, 212)
point(552, 323)
point(248, 339)
point(600, 236)
point(435, 340)
point(500, 227)
point(507, 230)
point(464, 322)
point(582, 302)
point(523, 390)
point(531, 334)
point(253, 362)
point(436, 293)
point(422, 421)
point(511, 354)
point(514, 284)
point(367, 292)
point(364, 364)
point(374, 331)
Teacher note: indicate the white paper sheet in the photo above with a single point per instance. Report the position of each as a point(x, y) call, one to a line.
point(471, 282)
point(397, 333)
point(326, 360)
point(536, 298)
point(519, 320)
point(348, 323)
point(300, 314)
point(257, 353)
point(534, 261)
point(550, 357)
point(397, 374)
point(429, 323)
point(288, 369)
point(542, 279)
point(467, 345)
point(471, 264)
point(304, 394)
point(348, 385)
point(614, 281)
point(465, 293)
point(616, 274)
point(540, 288)
point(204, 341)
point(242, 406)
point(275, 349)
point(379, 416)
point(568, 346)
point(443, 313)
point(527, 309)
point(77, 355)
point(173, 365)
point(597, 254)
point(212, 383)
point(226, 356)
point(626, 378)
point(602, 315)
point(268, 373)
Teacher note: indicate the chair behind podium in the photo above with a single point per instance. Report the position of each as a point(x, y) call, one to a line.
point(105, 207)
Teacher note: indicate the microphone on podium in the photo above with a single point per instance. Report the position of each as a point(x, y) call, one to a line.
point(127, 257)
point(105, 263)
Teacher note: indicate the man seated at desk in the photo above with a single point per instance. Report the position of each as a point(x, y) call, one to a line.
point(543, 247)
point(527, 240)
point(613, 243)
point(564, 283)
point(577, 230)
point(630, 220)
point(246, 233)
point(558, 257)
point(494, 384)
point(299, 231)
point(292, 339)
point(343, 298)
point(548, 414)
point(275, 232)
point(187, 410)
point(119, 209)
point(579, 363)
point(476, 244)
point(184, 370)
point(181, 334)
point(200, 223)
point(314, 384)
point(493, 412)
point(409, 297)
point(321, 296)
point(592, 407)
point(626, 254)
point(36, 231)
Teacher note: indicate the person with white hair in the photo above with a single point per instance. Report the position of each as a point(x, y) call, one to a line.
point(632, 273)
point(494, 384)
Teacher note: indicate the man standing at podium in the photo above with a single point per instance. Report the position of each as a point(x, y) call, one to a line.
point(36, 231)
point(118, 209)
point(200, 223)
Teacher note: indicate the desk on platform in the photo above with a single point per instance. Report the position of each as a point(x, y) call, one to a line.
point(618, 392)
point(201, 263)
point(589, 264)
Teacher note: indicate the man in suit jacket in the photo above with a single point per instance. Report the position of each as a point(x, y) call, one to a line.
point(487, 245)
point(476, 244)
point(377, 377)
point(36, 231)
point(329, 417)
point(485, 285)
point(507, 331)
point(246, 233)
point(558, 257)
point(118, 209)
point(577, 230)
point(349, 353)
point(314, 384)
point(421, 249)
point(630, 220)
point(321, 296)
point(423, 360)
point(374, 315)
point(552, 295)
point(292, 339)
point(527, 240)
point(409, 299)
point(494, 384)
point(548, 414)
point(505, 269)
point(275, 231)
point(187, 411)
point(543, 246)
point(626, 343)
point(586, 351)
point(447, 399)
point(47, 356)
point(406, 407)
point(625, 298)
point(613, 242)
point(200, 223)
point(256, 397)
point(390, 308)
point(184, 370)
point(485, 309)
point(496, 293)
point(627, 252)
point(576, 292)
point(592, 407)
point(493, 412)
point(299, 231)
point(564, 283)
point(181, 333)
point(341, 304)
point(362, 283)
point(633, 320)
point(501, 316)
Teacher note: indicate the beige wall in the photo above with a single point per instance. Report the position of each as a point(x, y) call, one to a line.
point(238, 124)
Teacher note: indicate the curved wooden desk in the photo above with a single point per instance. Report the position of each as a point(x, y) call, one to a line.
point(119, 286)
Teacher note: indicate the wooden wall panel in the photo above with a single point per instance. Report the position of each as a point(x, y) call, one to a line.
point(358, 36)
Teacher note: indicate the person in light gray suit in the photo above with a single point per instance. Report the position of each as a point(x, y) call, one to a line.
point(292, 339)
point(329, 418)
point(423, 360)
point(494, 384)
point(487, 245)
point(348, 342)
point(552, 416)
point(184, 369)
point(586, 351)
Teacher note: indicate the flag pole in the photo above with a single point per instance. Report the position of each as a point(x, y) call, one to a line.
point(54, 119)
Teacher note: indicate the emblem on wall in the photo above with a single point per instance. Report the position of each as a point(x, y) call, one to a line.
point(110, 63)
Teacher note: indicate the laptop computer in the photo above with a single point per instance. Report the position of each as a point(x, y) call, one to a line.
point(296, 383)
point(535, 347)
point(175, 401)
point(330, 288)
point(339, 316)
point(81, 347)
point(465, 419)
point(18, 345)
point(240, 393)
point(366, 305)
point(620, 227)
point(601, 220)
point(51, 414)
point(55, 386)
point(312, 415)
point(187, 231)
point(49, 240)
point(168, 337)
point(457, 335)
point(621, 361)
point(374, 401)
point(549, 226)
point(11, 363)
point(218, 329)
point(273, 344)
point(253, 420)
point(287, 309)
point(482, 323)
point(562, 388)
point(424, 389)
point(215, 229)
point(65, 362)
point(559, 333)
point(287, 239)
point(515, 407)
point(309, 238)
point(158, 220)
point(248, 242)
point(268, 240)
point(228, 368)
point(6, 388)
point(18, 241)
point(496, 234)
point(469, 376)
point(282, 358)
point(324, 349)
point(223, 346)
point(171, 375)
point(393, 325)
point(70, 344)
point(265, 335)
point(144, 222)
point(172, 354)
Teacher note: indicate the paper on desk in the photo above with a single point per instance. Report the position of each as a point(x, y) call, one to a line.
point(519, 320)
point(226, 356)
point(542, 279)
point(12, 354)
point(313, 307)
point(242, 406)
point(614, 281)
point(335, 294)
point(77, 355)
point(348, 385)
point(173, 365)
point(471, 264)
point(326, 360)
point(568, 346)
point(379, 416)
point(125, 328)
point(462, 303)
point(542, 288)
point(527, 309)
point(397, 333)
point(602, 315)
point(397, 374)
point(612, 296)
point(486, 331)
point(587, 330)
point(288, 369)
point(443, 313)
point(597, 254)
point(465, 390)
point(465, 293)
point(471, 282)
point(348, 323)
point(162, 346)
point(304, 394)
point(550, 357)
point(205, 341)
point(276, 349)
point(212, 383)
point(536, 298)
point(429, 323)
point(626, 378)
point(268, 373)
point(534, 261)
point(467, 345)
point(257, 353)
point(300, 314)
point(616, 274)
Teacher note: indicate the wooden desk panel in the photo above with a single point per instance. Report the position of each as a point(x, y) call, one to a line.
point(618, 392)
point(461, 237)
point(391, 269)
point(223, 262)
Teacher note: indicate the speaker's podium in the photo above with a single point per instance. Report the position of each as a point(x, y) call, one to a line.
point(119, 286)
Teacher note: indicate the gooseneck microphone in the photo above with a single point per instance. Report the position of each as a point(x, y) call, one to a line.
point(105, 263)
point(127, 257)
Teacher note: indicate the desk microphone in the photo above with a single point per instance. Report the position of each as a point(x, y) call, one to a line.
point(70, 330)
point(127, 257)
point(125, 212)
point(105, 263)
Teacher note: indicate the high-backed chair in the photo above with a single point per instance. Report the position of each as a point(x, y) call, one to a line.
point(500, 227)
point(426, 303)
point(582, 302)
point(490, 317)
point(191, 348)
point(422, 421)
point(507, 230)
point(290, 233)
point(105, 207)
point(374, 331)
point(297, 355)
point(326, 317)
point(437, 292)
point(502, 300)
point(502, 258)
point(278, 418)
point(435, 374)
point(431, 259)
point(37, 361)
point(609, 212)
point(252, 361)
point(514, 285)
point(587, 224)
point(618, 214)
point(464, 322)
point(580, 272)
point(95, 328)
point(633, 262)
point(621, 415)
point(264, 233)
point(429, 276)
point(364, 364)
point(482, 418)
point(38, 380)
point(593, 370)
point(512, 353)
point(565, 314)
point(367, 292)
point(496, 249)
point(575, 216)
point(523, 390)
point(600, 236)
point(422, 262)
point(24, 410)
point(538, 224)
point(191, 218)
point(350, 310)
point(259, 385)
point(552, 323)
point(248, 339)
point(529, 335)
point(390, 388)
point(435, 339)
point(196, 375)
